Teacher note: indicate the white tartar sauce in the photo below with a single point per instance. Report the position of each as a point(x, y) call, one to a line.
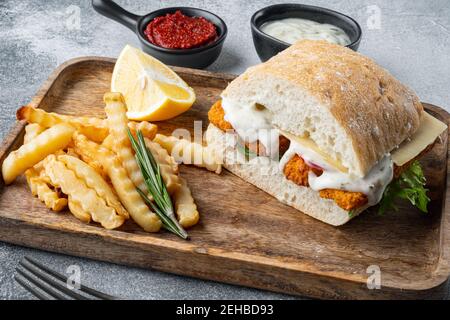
point(372, 184)
point(252, 123)
point(291, 30)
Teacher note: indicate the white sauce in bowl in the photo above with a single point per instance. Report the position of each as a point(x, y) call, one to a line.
point(291, 30)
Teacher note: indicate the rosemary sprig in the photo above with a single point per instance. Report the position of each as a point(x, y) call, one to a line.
point(150, 169)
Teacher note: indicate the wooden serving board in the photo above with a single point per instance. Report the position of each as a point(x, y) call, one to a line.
point(245, 236)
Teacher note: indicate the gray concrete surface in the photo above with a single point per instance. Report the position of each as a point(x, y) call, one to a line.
point(412, 40)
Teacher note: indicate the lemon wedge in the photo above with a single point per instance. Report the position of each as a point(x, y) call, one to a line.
point(152, 91)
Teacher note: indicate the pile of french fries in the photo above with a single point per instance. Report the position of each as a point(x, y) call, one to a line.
point(87, 165)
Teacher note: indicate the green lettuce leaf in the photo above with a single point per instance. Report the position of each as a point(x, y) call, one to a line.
point(409, 186)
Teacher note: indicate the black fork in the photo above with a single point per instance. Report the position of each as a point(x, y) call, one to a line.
point(46, 284)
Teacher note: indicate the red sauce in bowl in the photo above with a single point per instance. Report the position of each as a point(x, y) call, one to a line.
point(178, 31)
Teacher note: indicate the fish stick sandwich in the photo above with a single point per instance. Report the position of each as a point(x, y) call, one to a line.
point(326, 131)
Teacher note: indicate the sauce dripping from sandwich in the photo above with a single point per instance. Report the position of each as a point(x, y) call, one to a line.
point(372, 185)
point(253, 123)
point(305, 164)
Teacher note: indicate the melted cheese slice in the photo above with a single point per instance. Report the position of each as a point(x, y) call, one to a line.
point(429, 129)
point(310, 144)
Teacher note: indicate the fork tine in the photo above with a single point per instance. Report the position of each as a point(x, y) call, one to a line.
point(90, 291)
point(23, 282)
point(50, 281)
point(41, 285)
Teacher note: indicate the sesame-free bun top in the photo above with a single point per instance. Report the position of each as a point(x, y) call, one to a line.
point(354, 110)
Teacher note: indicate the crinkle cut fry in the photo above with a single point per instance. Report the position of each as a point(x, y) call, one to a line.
point(95, 128)
point(79, 192)
point(185, 206)
point(123, 185)
point(40, 189)
point(71, 152)
point(168, 166)
point(91, 159)
point(35, 178)
point(78, 211)
point(94, 181)
point(161, 155)
point(148, 129)
point(108, 143)
point(118, 124)
point(190, 152)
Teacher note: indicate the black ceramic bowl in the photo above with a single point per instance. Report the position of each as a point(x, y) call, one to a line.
point(267, 46)
point(200, 57)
